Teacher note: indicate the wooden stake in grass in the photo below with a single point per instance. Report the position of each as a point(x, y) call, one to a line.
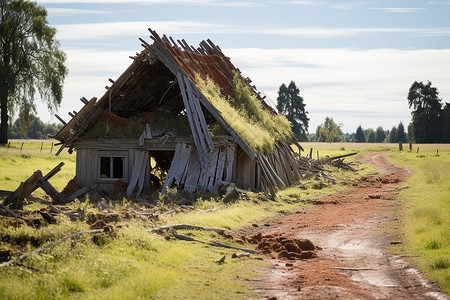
point(42, 144)
point(21, 147)
point(51, 149)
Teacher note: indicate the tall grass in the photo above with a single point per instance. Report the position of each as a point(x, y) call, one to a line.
point(426, 215)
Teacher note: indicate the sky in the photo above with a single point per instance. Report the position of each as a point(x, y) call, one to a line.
point(354, 61)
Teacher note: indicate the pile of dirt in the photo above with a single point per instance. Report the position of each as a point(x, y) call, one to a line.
point(282, 247)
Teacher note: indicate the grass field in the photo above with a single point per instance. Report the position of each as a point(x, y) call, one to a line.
point(426, 215)
point(131, 264)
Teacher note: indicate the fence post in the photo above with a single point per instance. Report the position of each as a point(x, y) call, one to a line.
point(21, 148)
point(42, 144)
point(51, 149)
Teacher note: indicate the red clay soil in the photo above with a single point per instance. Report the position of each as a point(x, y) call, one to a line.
point(348, 240)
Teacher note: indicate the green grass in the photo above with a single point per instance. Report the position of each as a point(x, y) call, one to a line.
point(426, 215)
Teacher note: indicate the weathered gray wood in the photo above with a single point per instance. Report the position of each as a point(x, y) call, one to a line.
point(51, 191)
point(138, 165)
point(192, 175)
point(186, 227)
point(81, 192)
point(219, 170)
point(144, 168)
point(200, 114)
point(201, 150)
point(212, 168)
point(230, 163)
point(178, 165)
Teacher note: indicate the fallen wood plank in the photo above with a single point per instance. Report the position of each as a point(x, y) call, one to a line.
point(186, 227)
point(81, 192)
point(51, 191)
point(11, 212)
point(215, 244)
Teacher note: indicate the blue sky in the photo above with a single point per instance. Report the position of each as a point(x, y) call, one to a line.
point(354, 61)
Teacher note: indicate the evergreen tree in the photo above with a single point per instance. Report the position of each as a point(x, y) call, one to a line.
point(426, 116)
point(360, 137)
point(401, 134)
point(290, 104)
point(30, 61)
point(410, 132)
point(371, 136)
point(393, 135)
point(380, 135)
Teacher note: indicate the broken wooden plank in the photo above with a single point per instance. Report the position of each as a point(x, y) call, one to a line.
point(81, 192)
point(51, 191)
point(24, 190)
point(186, 227)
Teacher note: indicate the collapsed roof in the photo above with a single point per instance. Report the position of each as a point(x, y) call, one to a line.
point(149, 82)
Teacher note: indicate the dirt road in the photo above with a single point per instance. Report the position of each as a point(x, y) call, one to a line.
point(350, 230)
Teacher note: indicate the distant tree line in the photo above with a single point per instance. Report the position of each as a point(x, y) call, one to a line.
point(35, 130)
point(395, 135)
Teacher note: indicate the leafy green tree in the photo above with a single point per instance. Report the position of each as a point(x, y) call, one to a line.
point(380, 135)
point(401, 134)
point(426, 116)
point(290, 104)
point(30, 61)
point(360, 137)
point(393, 135)
point(329, 131)
point(371, 136)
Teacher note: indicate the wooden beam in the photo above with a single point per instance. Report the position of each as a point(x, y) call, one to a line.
point(60, 119)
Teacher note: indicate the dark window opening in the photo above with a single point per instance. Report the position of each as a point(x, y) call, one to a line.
point(111, 167)
point(118, 167)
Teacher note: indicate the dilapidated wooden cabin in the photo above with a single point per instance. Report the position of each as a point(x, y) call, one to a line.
point(180, 116)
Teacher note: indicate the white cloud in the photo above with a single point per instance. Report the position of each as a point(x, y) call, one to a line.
point(53, 11)
point(95, 31)
point(309, 3)
point(399, 9)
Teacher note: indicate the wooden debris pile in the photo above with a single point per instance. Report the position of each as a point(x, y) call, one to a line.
point(311, 167)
